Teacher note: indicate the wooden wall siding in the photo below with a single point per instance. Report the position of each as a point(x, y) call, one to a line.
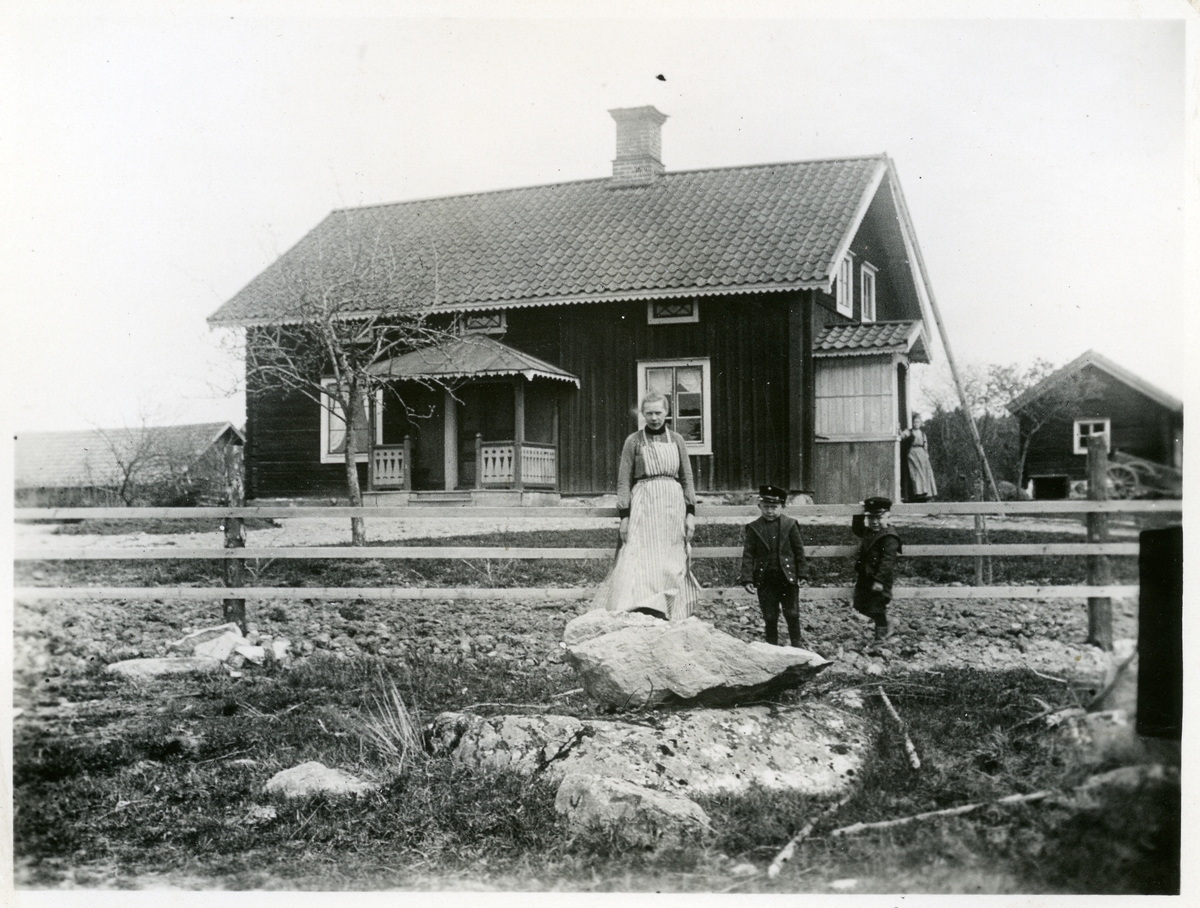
point(855, 396)
point(850, 471)
point(744, 337)
point(283, 458)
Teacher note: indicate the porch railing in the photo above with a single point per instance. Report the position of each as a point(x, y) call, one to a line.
point(391, 466)
point(513, 465)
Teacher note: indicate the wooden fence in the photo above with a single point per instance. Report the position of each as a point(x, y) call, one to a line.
point(705, 514)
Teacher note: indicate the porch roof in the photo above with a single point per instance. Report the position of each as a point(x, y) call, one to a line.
point(470, 356)
point(873, 339)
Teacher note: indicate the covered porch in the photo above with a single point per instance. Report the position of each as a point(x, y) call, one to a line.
point(471, 420)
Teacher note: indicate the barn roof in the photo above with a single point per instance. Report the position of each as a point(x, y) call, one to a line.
point(90, 458)
point(1104, 364)
point(471, 356)
point(873, 338)
point(691, 233)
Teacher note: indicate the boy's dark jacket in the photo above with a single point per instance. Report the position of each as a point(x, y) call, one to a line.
point(877, 554)
point(756, 555)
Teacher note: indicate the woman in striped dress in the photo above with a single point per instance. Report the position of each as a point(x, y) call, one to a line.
point(656, 500)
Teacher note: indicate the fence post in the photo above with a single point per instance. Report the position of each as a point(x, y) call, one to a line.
point(979, 532)
point(235, 536)
point(1100, 631)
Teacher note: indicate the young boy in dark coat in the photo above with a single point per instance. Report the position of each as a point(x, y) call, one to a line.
point(876, 566)
point(773, 564)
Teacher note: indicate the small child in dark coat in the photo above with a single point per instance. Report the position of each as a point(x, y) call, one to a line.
point(876, 565)
point(773, 564)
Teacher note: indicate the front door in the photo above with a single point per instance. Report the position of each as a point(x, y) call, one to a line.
point(487, 410)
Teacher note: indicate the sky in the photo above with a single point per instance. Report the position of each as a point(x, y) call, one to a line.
point(158, 156)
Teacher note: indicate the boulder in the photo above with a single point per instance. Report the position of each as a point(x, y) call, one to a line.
point(188, 643)
point(599, 622)
point(255, 654)
point(220, 648)
point(316, 778)
point(142, 669)
point(811, 748)
point(634, 814)
point(685, 663)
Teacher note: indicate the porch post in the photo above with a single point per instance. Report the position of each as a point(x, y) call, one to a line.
point(371, 443)
point(406, 467)
point(479, 460)
point(518, 429)
point(450, 439)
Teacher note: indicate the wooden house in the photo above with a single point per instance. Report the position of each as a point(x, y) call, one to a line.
point(1093, 395)
point(113, 467)
point(778, 307)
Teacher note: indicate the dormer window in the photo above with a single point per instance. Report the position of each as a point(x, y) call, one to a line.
point(672, 312)
point(845, 286)
point(483, 323)
point(866, 281)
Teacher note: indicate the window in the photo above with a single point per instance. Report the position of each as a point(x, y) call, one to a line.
point(672, 312)
point(845, 286)
point(1085, 428)
point(867, 285)
point(333, 428)
point(483, 323)
point(687, 386)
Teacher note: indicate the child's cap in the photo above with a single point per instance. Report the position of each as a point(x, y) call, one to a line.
point(772, 495)
point(877, 505)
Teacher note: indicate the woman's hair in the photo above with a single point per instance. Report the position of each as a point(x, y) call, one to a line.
point(652, 397)
point(916, 416)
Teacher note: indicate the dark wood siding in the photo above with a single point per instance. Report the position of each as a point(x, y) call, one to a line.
point(1140, 426)
point(283, 449)
point(853, 470)
point(744, 337)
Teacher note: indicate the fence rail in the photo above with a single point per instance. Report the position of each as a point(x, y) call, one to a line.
point(430, 512)
point(426, 513)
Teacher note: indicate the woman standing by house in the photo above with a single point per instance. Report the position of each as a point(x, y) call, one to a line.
point(921, 484)
point(656, 501)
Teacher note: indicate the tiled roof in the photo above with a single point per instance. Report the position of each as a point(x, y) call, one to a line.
point(470, 356)
point(89, 458)
point(876, 337)
point(764, 227)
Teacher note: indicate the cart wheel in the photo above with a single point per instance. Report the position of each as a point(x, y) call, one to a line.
point(1124, 481)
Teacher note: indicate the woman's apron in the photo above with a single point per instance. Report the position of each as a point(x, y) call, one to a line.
point(652, 571)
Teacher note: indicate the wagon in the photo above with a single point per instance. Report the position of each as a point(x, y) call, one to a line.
point(1135, 477)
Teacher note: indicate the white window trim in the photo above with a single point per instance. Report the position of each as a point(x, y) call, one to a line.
point(845, 286)
point(673, 320)
point(866, 281)
point(502, 328)
point(694, 447)
point(362, 456)
point(1081, 445)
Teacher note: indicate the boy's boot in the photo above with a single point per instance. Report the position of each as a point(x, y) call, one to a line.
point(773, 632)
point(882, 629)
point(794, 636)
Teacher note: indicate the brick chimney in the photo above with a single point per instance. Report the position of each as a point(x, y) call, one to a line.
point(639, 145)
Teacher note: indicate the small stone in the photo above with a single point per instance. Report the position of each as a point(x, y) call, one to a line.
point(743, 870)
point(255, 654)
point(316, 778)
point(843, 885)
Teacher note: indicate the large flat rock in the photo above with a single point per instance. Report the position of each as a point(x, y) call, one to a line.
point(632, 661)
point(812, 748)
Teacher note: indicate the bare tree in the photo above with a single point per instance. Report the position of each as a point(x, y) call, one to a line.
point(353, 303)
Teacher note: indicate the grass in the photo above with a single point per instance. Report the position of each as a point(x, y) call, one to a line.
point(165, 782)
point(501, 573)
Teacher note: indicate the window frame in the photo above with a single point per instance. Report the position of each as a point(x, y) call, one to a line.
point(866, 279)
point(324, 406)
point(652, 319)
point(1081, 440)
point(704, 446)
point(501, 328)
point(844, 301)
